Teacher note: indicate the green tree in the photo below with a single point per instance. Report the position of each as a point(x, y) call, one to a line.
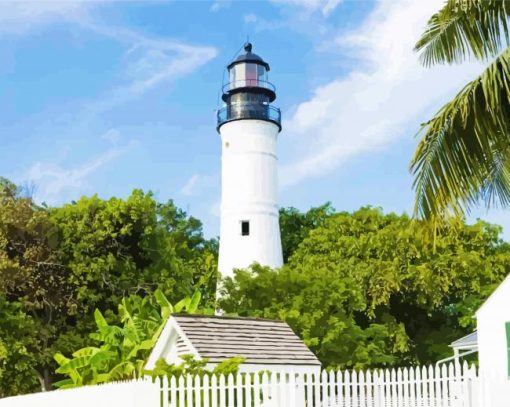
point(296, 225)
point(462, 157)
point(57, 265)
point(368, 289)
point(18, 339)
point(32, 281)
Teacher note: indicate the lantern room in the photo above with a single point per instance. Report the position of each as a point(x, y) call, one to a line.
point(248, 71)
point(248, 93)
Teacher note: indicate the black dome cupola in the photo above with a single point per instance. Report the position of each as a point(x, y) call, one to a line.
point(248, 93)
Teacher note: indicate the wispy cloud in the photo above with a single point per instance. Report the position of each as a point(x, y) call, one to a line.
point(19, 17)
point(220, 4)
point(383, 99)
point(148, 62)
point(189, 187)
point(197, 183)
point(52, 181)
point(326, 7)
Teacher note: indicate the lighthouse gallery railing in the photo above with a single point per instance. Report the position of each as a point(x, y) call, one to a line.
point(241, 111)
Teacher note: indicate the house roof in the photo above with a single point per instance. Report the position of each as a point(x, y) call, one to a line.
point(469, 341)
point(260, 341)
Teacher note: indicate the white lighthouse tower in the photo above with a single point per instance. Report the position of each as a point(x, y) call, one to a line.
point(249, 128)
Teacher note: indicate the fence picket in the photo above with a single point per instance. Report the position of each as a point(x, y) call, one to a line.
point(355, 388)
point(282, 385)
point(273, 389)
point(453, 386)
point(172, 393)
point(249, 388)
point(331, 389)
point(214, 390)
point(399, 388)
point(239, 399)
point(369, 389)
point(316, 390)
point(324, 388)
point(361, 387)
point(340, 388)
point(377, 388)
point(293, 390)
point(256, 389)
point(206, 389)
point(437, 383)
point(405, 385)
point(265, 388)
point(231, 390)
point(347, 389)
point(222, 392)
point(431, 389)
point(412, 387)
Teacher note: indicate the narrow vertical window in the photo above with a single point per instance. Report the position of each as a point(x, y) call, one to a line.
point(507, 326)
point(245, 228)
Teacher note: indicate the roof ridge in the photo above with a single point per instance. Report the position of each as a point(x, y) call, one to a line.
point(229, 317)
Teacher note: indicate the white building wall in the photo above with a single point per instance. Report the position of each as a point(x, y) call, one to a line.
point(141, 393)
point(491, 320)
point(249, 193)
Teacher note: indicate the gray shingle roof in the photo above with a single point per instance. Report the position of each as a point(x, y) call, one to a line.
point(260, 341)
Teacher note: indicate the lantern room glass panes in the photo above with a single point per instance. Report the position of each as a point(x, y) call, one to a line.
point(247, 74)
point(251, 75)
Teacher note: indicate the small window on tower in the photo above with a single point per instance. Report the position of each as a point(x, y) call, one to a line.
point(245, 228)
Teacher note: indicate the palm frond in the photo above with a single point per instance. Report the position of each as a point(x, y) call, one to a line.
point(465, 28)
point(463, 156)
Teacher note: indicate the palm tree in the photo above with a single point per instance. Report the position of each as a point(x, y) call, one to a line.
point(463, 156)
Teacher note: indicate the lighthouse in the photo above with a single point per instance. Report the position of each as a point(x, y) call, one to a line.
point(249, 126)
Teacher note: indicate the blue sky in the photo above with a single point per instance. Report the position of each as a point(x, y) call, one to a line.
point(106, 96)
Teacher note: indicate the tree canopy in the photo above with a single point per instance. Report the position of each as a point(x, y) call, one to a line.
point(58, 264)
point(371, 289)
point(363, 289)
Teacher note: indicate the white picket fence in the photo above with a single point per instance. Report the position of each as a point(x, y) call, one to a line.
point(445, 386)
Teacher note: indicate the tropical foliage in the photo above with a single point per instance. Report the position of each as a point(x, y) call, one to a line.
point(463, 155)
point(122, 349)
point(124, 346)
point(368, 289)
